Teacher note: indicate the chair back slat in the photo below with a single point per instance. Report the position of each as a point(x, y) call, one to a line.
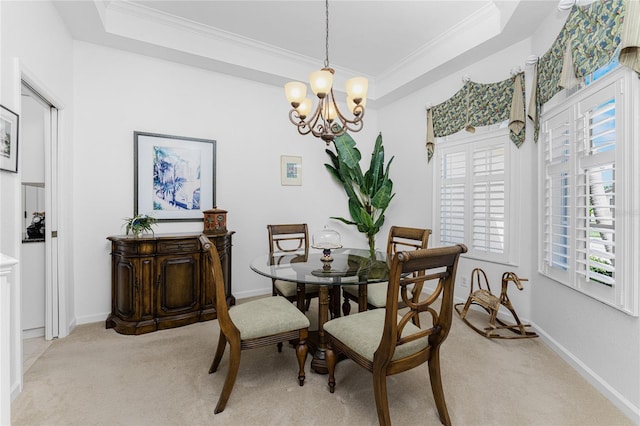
point(403, 238)
point(437, 263)
point(288, 238)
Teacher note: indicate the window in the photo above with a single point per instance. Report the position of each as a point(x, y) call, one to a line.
point(588, 189)
point(472, 192)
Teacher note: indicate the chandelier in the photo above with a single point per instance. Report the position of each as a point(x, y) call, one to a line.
point(327, 121)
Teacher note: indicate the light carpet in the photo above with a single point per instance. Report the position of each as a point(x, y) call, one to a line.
point(99, 377)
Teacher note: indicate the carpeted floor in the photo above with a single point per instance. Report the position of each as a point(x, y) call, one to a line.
point(99, 377)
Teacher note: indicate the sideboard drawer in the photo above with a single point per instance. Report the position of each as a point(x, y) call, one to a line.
point(178, 246)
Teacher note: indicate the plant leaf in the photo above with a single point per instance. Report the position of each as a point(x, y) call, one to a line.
point(382, 198)
point(341, 219)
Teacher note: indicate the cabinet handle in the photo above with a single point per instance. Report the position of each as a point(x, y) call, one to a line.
point(135, 284)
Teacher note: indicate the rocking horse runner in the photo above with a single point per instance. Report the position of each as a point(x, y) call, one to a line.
point(491, 303)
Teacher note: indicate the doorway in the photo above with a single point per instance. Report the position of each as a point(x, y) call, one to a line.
point(39, 283)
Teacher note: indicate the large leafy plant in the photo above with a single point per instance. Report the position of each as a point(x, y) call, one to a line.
point(369, 193)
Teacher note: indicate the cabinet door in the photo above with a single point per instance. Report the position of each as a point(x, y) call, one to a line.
point(133, 290)
point(125, 284)
point(178, 282)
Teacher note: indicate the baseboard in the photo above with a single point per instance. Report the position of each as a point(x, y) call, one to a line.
point(622, 403)
point(252, 293)
point(88, 319)
point(34, 332)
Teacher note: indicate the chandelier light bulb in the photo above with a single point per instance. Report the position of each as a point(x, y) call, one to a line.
point(304, 108)
point(321, 82)
point(329, 111)
point(295, 92)
point(357, 88)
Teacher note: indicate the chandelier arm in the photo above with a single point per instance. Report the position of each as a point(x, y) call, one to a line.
point(354, 125)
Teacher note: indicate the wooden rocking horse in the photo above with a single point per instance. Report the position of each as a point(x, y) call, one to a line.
point(491, 303)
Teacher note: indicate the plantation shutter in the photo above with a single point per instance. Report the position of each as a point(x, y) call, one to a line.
point(452, 195)
point(595, 187)
point(558, 142)
point(488, 199)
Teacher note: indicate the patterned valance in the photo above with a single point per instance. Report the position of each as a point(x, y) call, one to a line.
point(589, 39)
point(478, 104)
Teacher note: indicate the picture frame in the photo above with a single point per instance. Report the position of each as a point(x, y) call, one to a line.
point(290, 170)
point(174, 176)
point(9, 135)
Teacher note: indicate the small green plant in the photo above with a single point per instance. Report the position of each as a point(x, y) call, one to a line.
point(369, 193)
point(139, 224)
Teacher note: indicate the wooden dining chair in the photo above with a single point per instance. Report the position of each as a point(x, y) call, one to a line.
point(373, 296)
point(250, 325)
point(288, 239)
point(385, 342)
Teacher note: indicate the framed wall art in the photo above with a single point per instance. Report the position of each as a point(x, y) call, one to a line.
point(9, 126)
point(174, 176)
point(290, 170)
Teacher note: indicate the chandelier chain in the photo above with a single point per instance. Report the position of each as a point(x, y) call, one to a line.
point(326, 40)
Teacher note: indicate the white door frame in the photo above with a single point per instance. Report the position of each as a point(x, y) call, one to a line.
point(56, 323)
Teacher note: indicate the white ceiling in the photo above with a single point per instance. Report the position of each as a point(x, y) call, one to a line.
point(398, 45)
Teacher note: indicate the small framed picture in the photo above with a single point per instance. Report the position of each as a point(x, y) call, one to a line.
point(9, 121)
point(174, 176)
point(290, 170)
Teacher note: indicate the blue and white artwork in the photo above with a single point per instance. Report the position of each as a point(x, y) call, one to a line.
point(176, 178)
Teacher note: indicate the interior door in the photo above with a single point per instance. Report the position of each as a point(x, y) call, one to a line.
point(52, 323)
point(50, 135)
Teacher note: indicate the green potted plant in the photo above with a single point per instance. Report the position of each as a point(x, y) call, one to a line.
point(369, 193)
point(139, 224)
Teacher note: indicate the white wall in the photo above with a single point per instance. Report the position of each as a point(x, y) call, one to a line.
point(117, 93)
point(601, 342)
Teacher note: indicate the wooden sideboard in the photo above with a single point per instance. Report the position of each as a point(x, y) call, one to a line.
point(160, 281)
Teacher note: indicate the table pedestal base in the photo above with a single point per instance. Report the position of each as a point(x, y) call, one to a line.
point(328, 303)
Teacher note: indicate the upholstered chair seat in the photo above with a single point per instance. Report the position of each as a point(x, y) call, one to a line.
point(363, 332)
point(289, 289)
point(277, 309)
point(376, 294)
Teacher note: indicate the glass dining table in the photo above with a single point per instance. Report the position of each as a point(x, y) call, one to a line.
point(348, 266)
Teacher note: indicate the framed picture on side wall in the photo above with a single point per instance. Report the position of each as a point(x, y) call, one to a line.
point(290, 170)
point(9, 121)
point(174, 176)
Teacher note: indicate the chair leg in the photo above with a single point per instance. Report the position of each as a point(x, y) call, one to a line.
point(301, 352)
point(222, 343)
point(380, 393)
point(330, 359)
point(436, 387)
point(234, 364)
point(279, 345)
